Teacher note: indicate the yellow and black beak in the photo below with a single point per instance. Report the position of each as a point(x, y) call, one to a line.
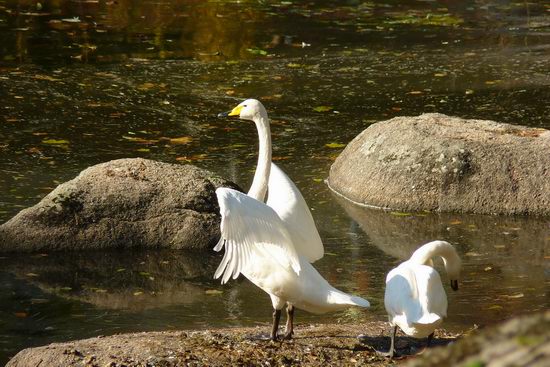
point(234, 112)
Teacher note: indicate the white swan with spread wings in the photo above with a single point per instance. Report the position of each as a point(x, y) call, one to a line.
point(273, 243)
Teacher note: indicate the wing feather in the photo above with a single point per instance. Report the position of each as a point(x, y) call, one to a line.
point(287, 201)
point(250, 228)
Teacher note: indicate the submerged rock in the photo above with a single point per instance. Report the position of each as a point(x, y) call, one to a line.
point(440, 163)
point(121, 204)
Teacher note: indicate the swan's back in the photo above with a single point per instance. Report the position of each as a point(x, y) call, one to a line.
point(285, 198)
point(415, 299)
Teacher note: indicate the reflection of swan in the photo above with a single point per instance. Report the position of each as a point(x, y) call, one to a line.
point(415, 299)
point(273, 244)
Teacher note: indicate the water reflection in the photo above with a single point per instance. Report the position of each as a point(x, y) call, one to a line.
point(134, 281)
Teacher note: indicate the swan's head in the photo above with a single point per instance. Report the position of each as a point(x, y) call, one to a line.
point(452, 266)
point(247, 110)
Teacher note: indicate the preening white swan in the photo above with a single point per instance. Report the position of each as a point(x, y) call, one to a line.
point(415, 299)
point(273, 243)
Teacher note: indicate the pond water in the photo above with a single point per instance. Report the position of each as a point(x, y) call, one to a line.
point(83, 82)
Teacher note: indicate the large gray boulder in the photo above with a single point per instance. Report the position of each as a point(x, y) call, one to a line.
point(121, 204)
point(439, 163)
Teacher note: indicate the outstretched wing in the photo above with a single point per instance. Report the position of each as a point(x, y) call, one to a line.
point(249, 229)
point(285, 198)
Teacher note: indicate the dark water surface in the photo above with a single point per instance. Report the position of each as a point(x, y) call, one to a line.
point(83, 82)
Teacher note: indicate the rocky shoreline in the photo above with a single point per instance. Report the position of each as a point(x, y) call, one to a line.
point(313, 345)
point(520, 341)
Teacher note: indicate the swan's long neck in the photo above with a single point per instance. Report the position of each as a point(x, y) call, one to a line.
point(258, 189)
point(443, 249)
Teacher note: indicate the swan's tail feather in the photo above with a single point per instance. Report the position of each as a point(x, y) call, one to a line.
point(341, 298)
point(428, 319)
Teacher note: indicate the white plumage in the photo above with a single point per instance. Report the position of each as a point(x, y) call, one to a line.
point(414, 298)
point(273, 243)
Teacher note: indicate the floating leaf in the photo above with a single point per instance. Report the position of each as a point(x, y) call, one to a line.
point(322, 108)
point(455, 222)
point(138, 293)
point(294, 65)
point(55, 141)
point(213, 292)
point(401, 214)
point(21, 314)
point(257, 51)
point(45, 77)
point(34, 275)
point(495, 307)
point(513, 296)
point(146, 86)
point(415, 92)
point(181, 140)
point(335, 145)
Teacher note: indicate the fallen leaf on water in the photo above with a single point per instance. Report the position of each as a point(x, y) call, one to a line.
point(455, 222)
point(472, 254)
point(31, 274)
point(280, 158)
point(495, 307)
point(322, 108)
point(257, 51)
point(21, 314)
point(401, 214)
point(181, 140)
point(439, 75)
point(100, 290)
point(138, 293)
point(335, 145)
point(191, 158)
point(55, 141)
point(513, 296)
point(139, 140)
point(414, 92)
point(146, 86)
point(212, 292)
point(318, 180)
point(294, 65)
point(45, 77)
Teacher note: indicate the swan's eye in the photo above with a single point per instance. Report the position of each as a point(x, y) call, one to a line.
point(244, 106)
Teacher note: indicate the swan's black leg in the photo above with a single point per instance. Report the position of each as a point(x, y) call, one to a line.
point(392, 344)
point(430, 337)
point(275, 328)
point(289, 329)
